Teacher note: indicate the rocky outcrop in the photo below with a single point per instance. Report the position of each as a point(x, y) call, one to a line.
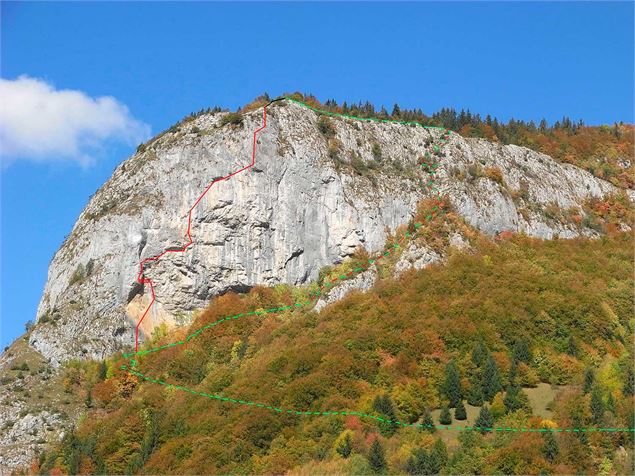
point(311, 199)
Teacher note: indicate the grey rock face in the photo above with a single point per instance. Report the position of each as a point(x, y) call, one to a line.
point(362, 282)
point(417, 257)
point(301, 207)
point(27, 434)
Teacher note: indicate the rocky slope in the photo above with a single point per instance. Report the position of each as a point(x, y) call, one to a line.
point(312, 198)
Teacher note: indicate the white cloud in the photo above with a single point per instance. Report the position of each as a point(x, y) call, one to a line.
point(39, 122)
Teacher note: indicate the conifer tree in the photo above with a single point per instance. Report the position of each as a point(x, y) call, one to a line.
point(376, 458)
point(452, 384)
point(459, 412)
point(484, 421)
point(428, 423)
point(445, 418)
point(419, 462)
point(513, 373)
point(597, 405)
point(344, 446)
point(439, 453)
point(521, 352)
point(514, 399)
point(479, 353)
point(610, 403)
point(103, 370)
point(383, 404)
point(491, 379)
point(628, 388)
point(475, 395)
point(589, 379)
point(550, 447)
point(572, 346)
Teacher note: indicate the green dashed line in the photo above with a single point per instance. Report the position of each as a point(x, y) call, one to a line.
point(375, 417)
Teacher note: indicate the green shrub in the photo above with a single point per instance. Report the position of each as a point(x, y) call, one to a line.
point(325, 126)
point(78, 275)
point(376, 150)
point(233, 118)
point(359, 165)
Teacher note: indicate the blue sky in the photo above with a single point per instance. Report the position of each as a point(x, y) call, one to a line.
point(164, 60)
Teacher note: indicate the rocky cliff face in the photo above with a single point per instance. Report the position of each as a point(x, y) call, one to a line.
point(311, 199)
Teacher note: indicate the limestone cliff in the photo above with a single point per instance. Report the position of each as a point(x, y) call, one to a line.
point(311, 199)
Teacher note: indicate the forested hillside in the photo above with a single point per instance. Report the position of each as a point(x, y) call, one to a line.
point(526, 342)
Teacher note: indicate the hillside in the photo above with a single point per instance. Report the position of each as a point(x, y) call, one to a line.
point(381, 252)
point(539, 330)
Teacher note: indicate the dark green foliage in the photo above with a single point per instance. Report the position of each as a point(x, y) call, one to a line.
point(103, 370)
point(345, 447)
point(459, 412)
point(515, 399)
point(452, 384)
point(384, 405)
point(629, 383)
point(445, 418)
point(484, 420)
point(71, 449)
point(597, 405)
point(475, 394)
point(513, 373)
point(589, 380)
point(572, 346)
point(376, 457)
point(491, 379)
point(428, 422)
point(419, 462)
point(479, 353)
point(439, 454)
point(521, 352)
point(610, 403)
point(550, 446)
point(423, 462)
point(233, 118)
